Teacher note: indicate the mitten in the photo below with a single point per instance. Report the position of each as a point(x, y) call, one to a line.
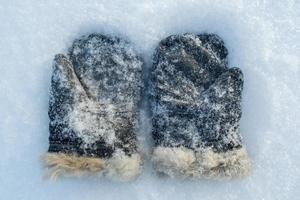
point(94, 95)
point(196, 109)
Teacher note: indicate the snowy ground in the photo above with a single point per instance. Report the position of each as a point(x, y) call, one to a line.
point(263, 38)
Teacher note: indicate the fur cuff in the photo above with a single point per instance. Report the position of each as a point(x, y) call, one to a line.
point(119, 167)
point(184, 162)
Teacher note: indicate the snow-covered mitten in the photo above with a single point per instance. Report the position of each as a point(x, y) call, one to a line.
point(196, 108)
point(94, 95)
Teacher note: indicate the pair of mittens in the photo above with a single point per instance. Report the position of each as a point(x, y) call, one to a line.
point(195, 104)
point(196, 108)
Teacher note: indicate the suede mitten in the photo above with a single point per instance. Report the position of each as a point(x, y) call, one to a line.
point(196, 109)
point(93, 112)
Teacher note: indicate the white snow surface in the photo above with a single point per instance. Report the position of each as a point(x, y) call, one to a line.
point(263, 39)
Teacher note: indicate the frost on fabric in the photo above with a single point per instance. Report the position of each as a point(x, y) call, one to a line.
point(196, 98)
point(94, 97)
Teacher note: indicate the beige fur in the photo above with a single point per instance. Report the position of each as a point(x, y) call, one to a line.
point(124, 168)
point(120, 167)
point(184, 162)
point(173, 161)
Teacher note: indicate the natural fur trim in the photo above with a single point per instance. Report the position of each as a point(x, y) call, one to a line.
point(184, 162)
point(119, 167)
point(124, 168)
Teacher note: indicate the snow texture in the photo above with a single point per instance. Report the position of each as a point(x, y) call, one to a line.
point(262, 38)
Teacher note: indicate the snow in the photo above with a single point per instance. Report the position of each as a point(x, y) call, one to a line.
point(263, 39)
